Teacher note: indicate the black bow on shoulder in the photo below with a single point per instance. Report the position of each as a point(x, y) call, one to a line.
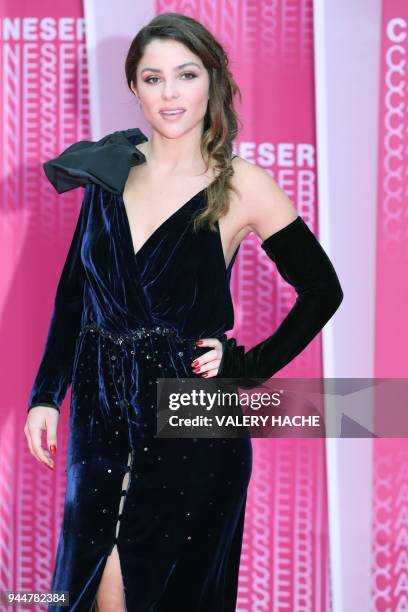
point(106, 162)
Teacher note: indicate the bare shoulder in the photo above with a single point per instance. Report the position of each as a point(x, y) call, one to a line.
point(265, 205)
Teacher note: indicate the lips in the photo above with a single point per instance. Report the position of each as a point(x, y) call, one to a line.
point(172, 112)
point(172, 116)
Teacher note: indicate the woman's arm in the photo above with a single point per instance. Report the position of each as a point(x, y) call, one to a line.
point(55, 370)
point(303, 263)
point(106, 163)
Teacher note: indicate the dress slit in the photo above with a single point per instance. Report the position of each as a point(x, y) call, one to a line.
point(123, 494)
point(124, 490)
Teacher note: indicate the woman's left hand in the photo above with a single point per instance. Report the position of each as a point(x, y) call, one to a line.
point(207, 365)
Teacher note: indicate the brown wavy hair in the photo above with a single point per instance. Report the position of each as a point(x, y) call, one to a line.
point(221, 119)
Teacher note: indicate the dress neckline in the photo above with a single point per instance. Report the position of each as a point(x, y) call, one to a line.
point(162, 225)
point(136, 138)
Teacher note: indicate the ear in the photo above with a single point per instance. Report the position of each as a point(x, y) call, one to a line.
point(134, 88)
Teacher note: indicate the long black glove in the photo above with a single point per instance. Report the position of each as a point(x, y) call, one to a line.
point(303, 263)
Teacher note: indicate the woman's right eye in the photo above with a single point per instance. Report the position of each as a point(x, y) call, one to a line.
point(149, 79)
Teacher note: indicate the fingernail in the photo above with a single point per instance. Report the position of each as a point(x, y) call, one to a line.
point(199, 342)
point(196, 369)
point(194, 363)
point(53, 449)
point(204, 374)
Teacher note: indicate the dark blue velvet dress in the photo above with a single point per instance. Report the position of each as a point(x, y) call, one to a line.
point(174, 507)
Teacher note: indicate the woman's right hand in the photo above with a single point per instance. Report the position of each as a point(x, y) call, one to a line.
point(42, 418)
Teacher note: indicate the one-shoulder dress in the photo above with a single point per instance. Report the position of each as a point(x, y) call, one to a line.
point(122, 320)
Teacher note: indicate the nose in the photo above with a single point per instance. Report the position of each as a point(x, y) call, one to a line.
point(169, 91)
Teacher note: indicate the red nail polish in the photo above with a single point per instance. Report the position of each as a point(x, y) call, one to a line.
point(204, 374)
point(196, 369)
point(199, 342)
point(53, 449)
point(194, 363)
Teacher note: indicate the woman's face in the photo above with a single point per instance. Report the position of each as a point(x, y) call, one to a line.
point(162, 84)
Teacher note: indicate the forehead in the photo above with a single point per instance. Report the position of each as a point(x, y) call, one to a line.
point(168, 55)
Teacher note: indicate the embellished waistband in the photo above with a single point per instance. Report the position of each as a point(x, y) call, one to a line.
point(135, 334)
point(142, 332)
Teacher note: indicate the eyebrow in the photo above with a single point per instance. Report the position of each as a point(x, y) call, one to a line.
point(176, 68)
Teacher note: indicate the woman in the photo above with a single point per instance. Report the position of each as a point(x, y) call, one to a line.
point(155, 524)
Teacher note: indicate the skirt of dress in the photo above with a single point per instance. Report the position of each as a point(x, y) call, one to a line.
point(174, 507)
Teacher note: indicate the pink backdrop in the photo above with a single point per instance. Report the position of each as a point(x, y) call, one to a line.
point(45, 107)
point(390, 486)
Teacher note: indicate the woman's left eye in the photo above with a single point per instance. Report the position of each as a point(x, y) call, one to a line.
point(190, 73)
